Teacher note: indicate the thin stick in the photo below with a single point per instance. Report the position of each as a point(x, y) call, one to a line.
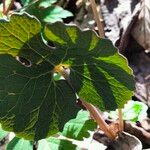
point(96, 115)
point(4, 6)
point(121, 125)
point(97, 19)
point(9, 7)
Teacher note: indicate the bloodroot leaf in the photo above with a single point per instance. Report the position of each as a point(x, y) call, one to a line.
point(99, 74)
point(32, 104)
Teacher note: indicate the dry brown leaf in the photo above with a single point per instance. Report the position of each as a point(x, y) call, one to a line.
point(141, 29)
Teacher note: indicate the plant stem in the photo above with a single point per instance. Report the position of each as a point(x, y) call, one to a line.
point(97, 17)
point(9, 7)
point(121, 125)
point(4, 6)
point(96, 115)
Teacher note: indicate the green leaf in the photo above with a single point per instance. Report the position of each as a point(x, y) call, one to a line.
point(56, 13)
point(2, 133)
point(46, 12)
point(79, 127)
point(46, 3)
point(99, 74)
point(133, 111)
point(42, 3)
point(19, 144)
point(33, 105)
point(25, 2)
point(1, 15)
point(56, 144)
point(21, 36)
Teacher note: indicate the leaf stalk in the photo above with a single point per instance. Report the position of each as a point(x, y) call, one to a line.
point(97, 117)
point(120, 117)
point(6, 10)
point(4, 6)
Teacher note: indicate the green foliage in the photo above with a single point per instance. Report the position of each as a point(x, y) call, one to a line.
point(133, 111)
point(21, 36)
point(50, 143)
point(79, 127)
point(44, 3)
point(2, 133)
point(1, 15)
point(19, 144)
point(45, 11)
point(56, 144)
point(25, 2)
point(33, 104)
point(98, 73)
point(75, 129)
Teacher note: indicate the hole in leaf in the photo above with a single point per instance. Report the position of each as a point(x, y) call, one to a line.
point(51, 44)
point(24, 61)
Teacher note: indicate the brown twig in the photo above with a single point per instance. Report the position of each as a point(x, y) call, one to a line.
point(9, 7)
point(97, 117)
point(97, 19)
point(121, 125)
point(4, 6)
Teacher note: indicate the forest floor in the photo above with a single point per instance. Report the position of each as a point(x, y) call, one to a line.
point(123, 27)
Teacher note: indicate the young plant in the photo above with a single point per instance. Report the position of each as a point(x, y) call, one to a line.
point(33, 103)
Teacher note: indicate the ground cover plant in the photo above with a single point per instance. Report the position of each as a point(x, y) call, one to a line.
point(49, 71)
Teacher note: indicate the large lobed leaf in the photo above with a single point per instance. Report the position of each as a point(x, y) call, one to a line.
point(99, 74)
point(32, 103)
